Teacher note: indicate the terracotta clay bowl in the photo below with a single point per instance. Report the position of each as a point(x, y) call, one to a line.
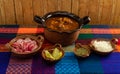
point(81, 51)
point(38, 39)
point(102, 46)
point(51, 50)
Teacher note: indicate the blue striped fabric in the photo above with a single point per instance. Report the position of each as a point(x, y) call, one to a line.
point(68, 65)
point(90, 65)
point(102, 36)
point(111, 63)
point(4, 61)
point(9, 26)
point(99, 26)
point(7, 35)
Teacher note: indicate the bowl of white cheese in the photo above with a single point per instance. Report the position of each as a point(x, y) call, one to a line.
point(102, 45)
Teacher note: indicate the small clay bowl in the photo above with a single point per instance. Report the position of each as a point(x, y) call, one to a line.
point(101, 47)
point(80, 47)
point(39, 40)
point(51, 49)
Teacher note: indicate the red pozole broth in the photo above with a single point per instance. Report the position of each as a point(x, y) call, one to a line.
point(61, 24)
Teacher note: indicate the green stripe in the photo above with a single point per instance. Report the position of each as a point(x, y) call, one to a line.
point(85, 36)
point(86, 26)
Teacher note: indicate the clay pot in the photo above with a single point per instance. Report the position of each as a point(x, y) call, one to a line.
point(63, 38)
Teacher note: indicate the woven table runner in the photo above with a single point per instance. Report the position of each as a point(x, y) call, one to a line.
point(69, 64)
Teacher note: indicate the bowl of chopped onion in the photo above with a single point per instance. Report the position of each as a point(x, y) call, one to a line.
point(25, 45)
point(53, 53)
point(102, 45)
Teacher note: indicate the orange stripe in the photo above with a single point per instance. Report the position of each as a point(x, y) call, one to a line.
point(3, 48)
point(117, 47)
point(27, 30)
point(40, 30)
point(85, 31)
point(115, 31)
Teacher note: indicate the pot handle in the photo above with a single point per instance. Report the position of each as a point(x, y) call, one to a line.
point(39, 20)
point(86, 20)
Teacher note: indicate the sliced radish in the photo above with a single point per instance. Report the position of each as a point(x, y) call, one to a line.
point(24, 45)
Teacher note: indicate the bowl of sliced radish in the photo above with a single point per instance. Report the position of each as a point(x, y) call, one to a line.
point(25, 45)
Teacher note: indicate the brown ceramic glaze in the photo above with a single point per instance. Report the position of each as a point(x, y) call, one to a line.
point(62, 38)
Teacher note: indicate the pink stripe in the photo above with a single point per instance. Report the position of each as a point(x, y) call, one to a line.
point(18, 30)
point(8, 30)
point(101, 31)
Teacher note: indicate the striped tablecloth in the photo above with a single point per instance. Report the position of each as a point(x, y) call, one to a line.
point(94, 64)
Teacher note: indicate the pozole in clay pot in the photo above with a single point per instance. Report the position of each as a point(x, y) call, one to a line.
point(61, 26)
